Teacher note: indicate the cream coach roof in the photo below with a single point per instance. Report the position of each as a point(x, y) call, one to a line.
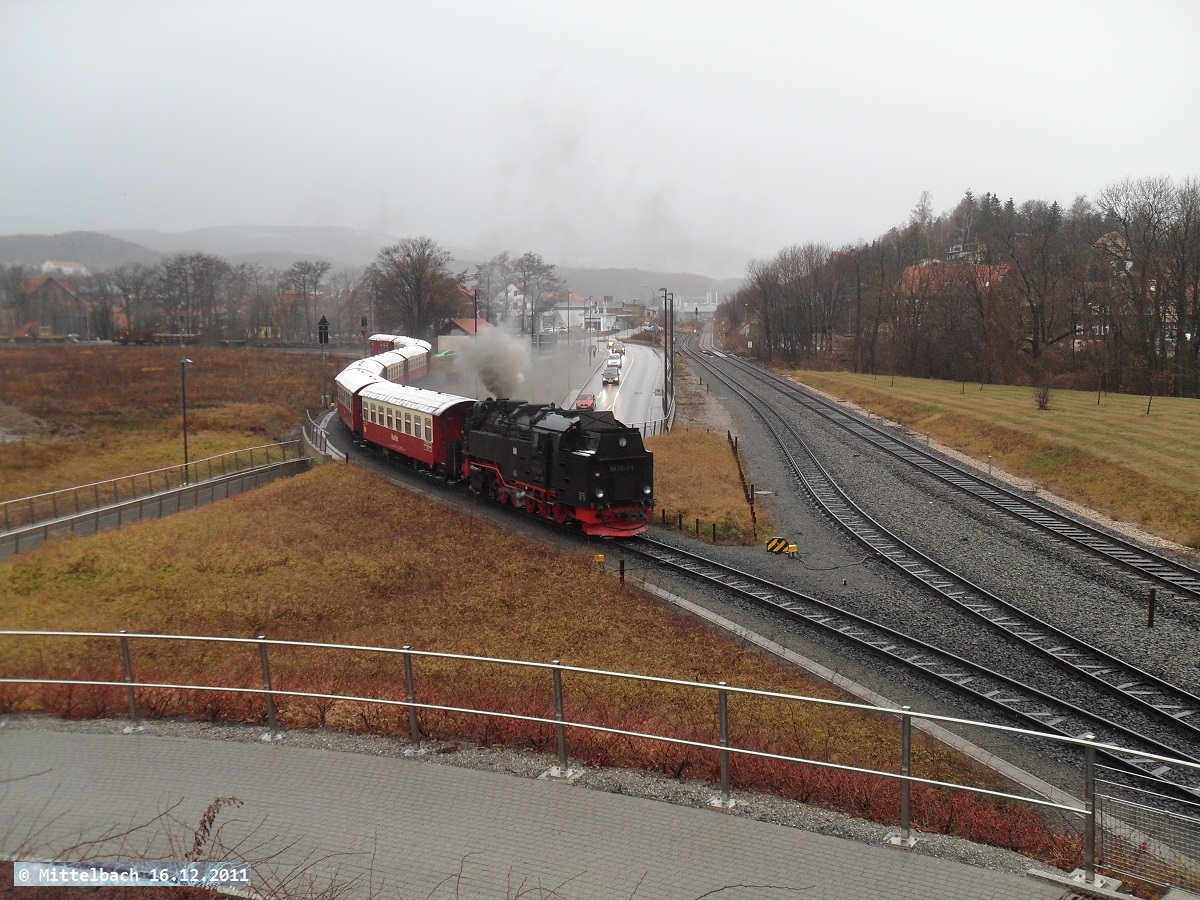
point(355, 377)
point(417, 399)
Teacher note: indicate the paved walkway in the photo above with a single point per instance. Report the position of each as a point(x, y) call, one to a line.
point(409, 829)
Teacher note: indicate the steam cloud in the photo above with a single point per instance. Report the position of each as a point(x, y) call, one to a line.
point(500, 360)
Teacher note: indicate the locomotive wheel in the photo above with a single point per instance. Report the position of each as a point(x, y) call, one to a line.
point(561, 514)
point(531, 504)
point(546, 509)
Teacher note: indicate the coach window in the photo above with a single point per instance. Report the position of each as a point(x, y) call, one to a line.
point(389, 418)
point(428, 429)
point(408, 423)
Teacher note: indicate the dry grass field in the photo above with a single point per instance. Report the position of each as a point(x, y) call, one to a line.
point(1132, 458)
point(73, 414)
point(342, 556)
point(695, 471)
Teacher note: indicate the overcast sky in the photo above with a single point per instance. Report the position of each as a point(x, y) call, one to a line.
point(595, 133)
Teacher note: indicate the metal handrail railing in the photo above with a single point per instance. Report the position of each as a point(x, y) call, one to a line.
point(318, 438)
point(724, 691)
point(128, 512)
point(22, 512)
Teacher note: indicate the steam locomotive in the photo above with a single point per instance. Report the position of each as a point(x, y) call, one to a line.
point(572, 466)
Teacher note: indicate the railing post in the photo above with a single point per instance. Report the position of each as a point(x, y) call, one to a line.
point(563, 770)
point(905, 838)
point(723, 713)
point(1089, 802)
point(125, 661)
point(414, 731)
point(266, 672)
point(906, 771)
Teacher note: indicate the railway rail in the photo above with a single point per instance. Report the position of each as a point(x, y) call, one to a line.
point(1033, 708)
point(1168, 706)
point(1156, 568)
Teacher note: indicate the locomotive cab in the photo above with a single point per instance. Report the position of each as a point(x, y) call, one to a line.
point(567, 465)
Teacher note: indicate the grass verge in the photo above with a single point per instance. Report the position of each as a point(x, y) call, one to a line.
point(1128, 457)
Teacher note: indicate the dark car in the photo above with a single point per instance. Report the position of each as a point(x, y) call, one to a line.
point(585, 401)
point(611, 376)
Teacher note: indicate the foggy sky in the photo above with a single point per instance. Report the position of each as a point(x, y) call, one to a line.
point(595, 133)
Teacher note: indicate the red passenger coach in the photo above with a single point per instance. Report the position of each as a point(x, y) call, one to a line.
point(348, 383)
point(382, 343)
point(423, 426)
point(406, 359)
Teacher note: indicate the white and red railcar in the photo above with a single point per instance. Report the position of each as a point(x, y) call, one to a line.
point(423, 426)
point(407, 358)
point(347, 385)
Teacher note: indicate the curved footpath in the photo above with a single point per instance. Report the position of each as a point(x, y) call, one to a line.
point(391, 826)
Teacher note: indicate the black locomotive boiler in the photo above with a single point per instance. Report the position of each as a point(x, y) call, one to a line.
point(568, 465)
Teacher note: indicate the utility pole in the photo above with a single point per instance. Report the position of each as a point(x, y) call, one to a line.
point(666, 351)
point(323, 338)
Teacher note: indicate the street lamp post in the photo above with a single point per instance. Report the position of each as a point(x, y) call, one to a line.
point(183, 364)
point(666, 352)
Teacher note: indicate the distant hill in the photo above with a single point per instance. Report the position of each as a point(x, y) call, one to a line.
point(97, 251)
point(269, 245)
point(626, 285)
point(278, 247)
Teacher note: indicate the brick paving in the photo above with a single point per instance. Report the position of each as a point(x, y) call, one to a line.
point(384, 827)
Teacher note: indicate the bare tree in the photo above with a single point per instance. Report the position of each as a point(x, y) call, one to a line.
point(491, 277)
point(537, 279)
point(414, 287)
point(304, 277)
point(188, 288)
point(344, 285)
point(133, 282)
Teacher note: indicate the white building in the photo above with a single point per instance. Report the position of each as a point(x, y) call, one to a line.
point(62, 267)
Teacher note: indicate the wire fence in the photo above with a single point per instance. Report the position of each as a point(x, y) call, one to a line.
point(1148, 842)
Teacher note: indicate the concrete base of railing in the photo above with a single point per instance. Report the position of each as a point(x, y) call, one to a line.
point(566, 776)
point(722, 805)
point(1102, 886)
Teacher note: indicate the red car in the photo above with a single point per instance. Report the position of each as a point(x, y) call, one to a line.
point(585, 401)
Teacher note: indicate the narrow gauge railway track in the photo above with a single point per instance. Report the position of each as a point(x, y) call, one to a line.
point(1165, 704)
point(1161, 571)
point(1035, 709)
